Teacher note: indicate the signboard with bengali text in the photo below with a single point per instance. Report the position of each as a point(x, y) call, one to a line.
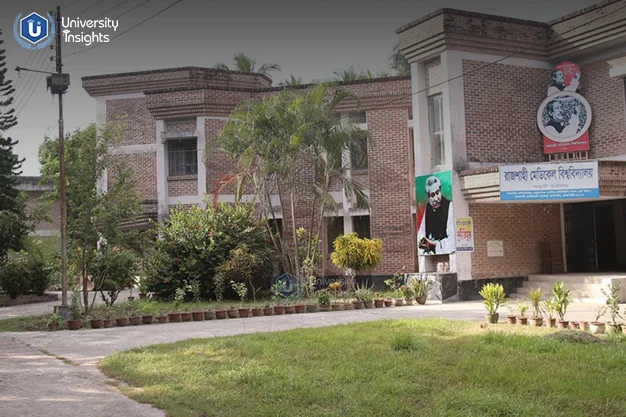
point(464, 230)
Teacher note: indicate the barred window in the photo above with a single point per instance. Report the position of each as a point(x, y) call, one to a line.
point(435, 128)
point(183, 157)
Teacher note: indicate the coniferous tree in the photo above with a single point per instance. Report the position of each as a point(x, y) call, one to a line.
point(7, 112)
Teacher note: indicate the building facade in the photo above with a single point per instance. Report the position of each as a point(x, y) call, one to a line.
point(481, 106)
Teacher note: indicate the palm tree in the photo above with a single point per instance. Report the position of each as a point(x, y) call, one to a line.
point(244, 63)
point(271, 140)
point(398, 62)
point(291, 81)
point(352, 74)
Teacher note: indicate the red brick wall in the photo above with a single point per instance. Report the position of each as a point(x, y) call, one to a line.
point(178, 186)
point(145, 174)
point(607, 134)
point(390, 201)
point(217, 163)
point(140, 125)
point(521, 227)
point(501, 103)
point(178, 125)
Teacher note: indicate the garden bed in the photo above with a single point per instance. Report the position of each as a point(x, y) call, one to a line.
point(406, 367)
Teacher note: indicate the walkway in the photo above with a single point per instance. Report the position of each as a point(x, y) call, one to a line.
point(35, 383)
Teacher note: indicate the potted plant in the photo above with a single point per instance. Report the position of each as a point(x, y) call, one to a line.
point(96, 322)
point(108, 317)
point(573, 325)
point(220, 314)
point(560, 301)
point(142, 286)
point(550, 309)
point(147, 312)
point(399, 299)
point(511, 318)
point(612, 294)
point(279, 309)
point(388, 302)
point(323, 300)
point(419, 287)
point(55, 321)
point(161, 318)
point(596, 326)
point(523, 308)
point(242, 292)
point(378, 301)
point(366, 295)
point(536, 318)
point(407, 293)
point(354, 254)
point(267, 310)
point(493, 296)
point(185, 314)
point(75, 312)
point(232, 312)
point(209, 314)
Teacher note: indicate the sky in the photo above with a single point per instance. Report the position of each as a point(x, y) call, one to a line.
point(309, 39)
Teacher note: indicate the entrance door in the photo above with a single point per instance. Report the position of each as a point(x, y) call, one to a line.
point(605, 236)
point(580, 237)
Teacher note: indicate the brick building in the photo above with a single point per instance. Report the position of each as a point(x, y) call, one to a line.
point(470, 109)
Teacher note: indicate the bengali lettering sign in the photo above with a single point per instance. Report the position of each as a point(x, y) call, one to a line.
point(464, 230)
point(568, 180)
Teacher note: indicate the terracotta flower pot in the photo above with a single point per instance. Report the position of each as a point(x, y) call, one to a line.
point(597, 327)
point(368, 304)
point(347, 306)
point(300, 308)
point(73, 324)
point(53, 326)
point(562, 324)
point(357, 304)
point(421, 300)
point(290, 310)
point(511, 319)
point(220, 314)
point(143, 296)
point(323, 307)
point(573, 325)
point(256, 312)
point(336, 307)
point(551, 323)
point(279, 310)
point(186, 316)
point(379, 303)
point(96, 323)
point(583, 325)
point(268, 311)
point(492, 318)
point(233, 314)
point(197, 315)
point(135, 320)
point(121, 322)
point(523, 321)
point(162, 319)
point(209, 315)
point(408, 301)
point(311, 308)
point(388, 303)
point(147, 319)
point(174, 317)
point(108, 323)
point(244, 312)
point(399, 302)
point(536, 321)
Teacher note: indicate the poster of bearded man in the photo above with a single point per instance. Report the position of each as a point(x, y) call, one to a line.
point(435, 214)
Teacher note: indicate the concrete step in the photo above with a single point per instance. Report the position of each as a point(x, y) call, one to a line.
point(547, 286)
point(573, 298)
point(574, 278)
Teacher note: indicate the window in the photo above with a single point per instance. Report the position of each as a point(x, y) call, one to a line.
point(276, 225)
point(435, 128)
point(361, 225)
point(358, 117)
point(334, 229)
point(358, 155)
point(183, 157)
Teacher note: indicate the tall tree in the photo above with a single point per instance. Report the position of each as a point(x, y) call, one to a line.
point(398, 62)
point(93, 215)
point(244, 63)
point(352, 74)
point(292, 146)
point(291, 81)
point(7, 112)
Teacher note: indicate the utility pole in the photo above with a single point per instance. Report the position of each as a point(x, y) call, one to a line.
point(58, 83)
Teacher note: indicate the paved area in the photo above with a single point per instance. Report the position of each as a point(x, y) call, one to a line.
point(35, 383)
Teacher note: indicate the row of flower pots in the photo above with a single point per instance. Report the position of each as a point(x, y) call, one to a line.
point(592, 327)
point(277, 310)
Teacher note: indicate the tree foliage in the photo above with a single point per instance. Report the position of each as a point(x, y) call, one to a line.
point(7, 112)
point(93, 214)
point(244, 63)
point(398, 62)
point(291, 147)
point(354, 254)
point(352, 74)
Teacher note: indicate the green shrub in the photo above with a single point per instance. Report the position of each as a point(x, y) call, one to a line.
point(25, 273)
point(354, 254)
point(113, 269)
point(196, 241)
point(493, 296)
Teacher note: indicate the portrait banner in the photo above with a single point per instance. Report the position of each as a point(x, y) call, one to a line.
point(435, 214)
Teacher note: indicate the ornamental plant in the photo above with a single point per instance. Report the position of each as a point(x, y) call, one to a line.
point(535, 295)
point(354, 254)
point(493, 296)
point(197, 241)
point(113, 269)
point(560, 299)
point(612, 300)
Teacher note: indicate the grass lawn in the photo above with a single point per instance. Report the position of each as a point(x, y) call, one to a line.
point(383, 368)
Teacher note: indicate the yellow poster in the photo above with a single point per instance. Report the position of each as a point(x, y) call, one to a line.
point(464, 231)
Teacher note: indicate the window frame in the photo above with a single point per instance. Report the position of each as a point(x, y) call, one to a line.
point(436, 136)
point(175, 168)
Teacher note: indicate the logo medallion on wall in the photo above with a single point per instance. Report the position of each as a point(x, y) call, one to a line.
point(565, 116)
